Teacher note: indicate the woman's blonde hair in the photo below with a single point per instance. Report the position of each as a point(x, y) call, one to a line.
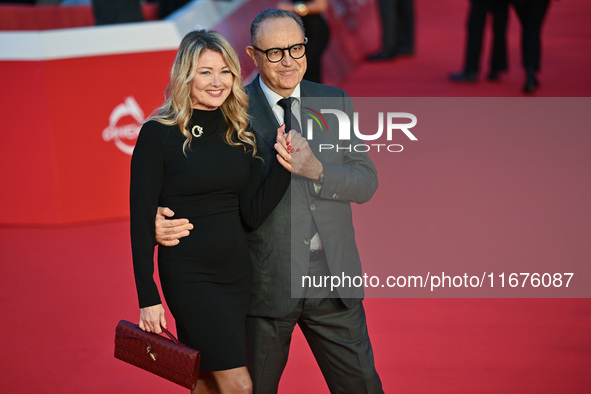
point(177, 107)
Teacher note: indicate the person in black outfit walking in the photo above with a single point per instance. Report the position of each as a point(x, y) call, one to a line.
point(398, 20)
point(479, 9)
point(317, 32)
point(531, 14)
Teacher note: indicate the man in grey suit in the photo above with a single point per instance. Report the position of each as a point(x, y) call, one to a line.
point(310, 232)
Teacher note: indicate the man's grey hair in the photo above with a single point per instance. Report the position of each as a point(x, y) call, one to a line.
point(272, 13)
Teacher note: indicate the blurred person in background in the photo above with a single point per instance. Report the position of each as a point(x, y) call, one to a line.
point(531, 14)
point(107, 12)
point(18, 2)
point(317, 32)
point(167, 7)
point(479, 10)
point(398, 24)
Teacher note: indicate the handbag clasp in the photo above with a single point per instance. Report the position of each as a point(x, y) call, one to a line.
point(149, 351)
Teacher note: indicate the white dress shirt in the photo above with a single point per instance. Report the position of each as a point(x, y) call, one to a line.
point(273, 99)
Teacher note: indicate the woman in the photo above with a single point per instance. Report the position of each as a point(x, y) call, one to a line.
point(196, 156)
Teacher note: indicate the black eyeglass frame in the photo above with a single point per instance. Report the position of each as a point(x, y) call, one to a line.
point(288, 49)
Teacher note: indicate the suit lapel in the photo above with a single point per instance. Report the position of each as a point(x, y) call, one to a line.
point(262, 119)
point(310, 101)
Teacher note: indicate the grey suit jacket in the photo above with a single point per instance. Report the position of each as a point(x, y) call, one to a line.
point(280, 248)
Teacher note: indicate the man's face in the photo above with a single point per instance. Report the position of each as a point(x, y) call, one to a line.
point(281, 77)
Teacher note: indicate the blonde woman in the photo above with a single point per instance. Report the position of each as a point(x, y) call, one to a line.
point(197, 156)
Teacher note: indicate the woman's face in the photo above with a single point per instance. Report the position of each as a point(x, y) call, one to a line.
point(212, 82)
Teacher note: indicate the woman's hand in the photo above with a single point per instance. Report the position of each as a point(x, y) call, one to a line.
point(152, 319)
point(295, 155)
point(283, 149)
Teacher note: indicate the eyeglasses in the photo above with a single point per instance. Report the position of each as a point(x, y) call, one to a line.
point(275, 55)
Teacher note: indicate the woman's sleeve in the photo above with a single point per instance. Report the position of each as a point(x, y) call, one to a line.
point(147, 174)
point(263, 193)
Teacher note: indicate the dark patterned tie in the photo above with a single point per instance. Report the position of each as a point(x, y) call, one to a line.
point(288, 117)
point(291, 123)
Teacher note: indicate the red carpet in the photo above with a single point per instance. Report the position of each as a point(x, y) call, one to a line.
point(440, 39)
point(63, 290)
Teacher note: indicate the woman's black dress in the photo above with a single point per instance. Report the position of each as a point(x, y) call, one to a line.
point(206, 278)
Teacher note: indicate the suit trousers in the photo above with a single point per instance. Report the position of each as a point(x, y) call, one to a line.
point(479, 9)
point(531, 14)
point(337, 336)
point(397, 17)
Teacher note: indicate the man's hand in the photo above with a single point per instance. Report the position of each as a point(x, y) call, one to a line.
point(294, 153)
point(168, 232)
point(152, 319)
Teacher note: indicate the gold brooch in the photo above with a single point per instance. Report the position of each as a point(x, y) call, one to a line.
point(197, 133)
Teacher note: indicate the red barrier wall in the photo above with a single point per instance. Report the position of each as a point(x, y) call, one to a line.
point(32, 17)
point(27, 155)
point(69, 123)
point(59, 164)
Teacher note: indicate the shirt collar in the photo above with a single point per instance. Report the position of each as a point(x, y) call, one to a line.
point(273, 98)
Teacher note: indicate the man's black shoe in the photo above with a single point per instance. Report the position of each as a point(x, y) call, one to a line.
point(380, 56)
point(463, 77)
point(493, 75)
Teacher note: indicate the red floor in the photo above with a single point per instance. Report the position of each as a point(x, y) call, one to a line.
point(63, 290)
point(63, 297)
point(440, 39)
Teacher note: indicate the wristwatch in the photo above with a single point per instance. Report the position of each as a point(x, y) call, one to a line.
point(301, 8)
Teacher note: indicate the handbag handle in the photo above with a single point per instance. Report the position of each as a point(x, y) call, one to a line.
point(172, 337)
point(148, 345)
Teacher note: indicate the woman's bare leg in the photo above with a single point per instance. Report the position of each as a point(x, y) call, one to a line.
point(233, 381)
point(206, 384)
point(229, 381)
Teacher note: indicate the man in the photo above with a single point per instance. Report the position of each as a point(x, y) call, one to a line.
point(320, 241)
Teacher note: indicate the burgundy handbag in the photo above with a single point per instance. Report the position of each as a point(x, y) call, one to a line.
point(161, 356)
